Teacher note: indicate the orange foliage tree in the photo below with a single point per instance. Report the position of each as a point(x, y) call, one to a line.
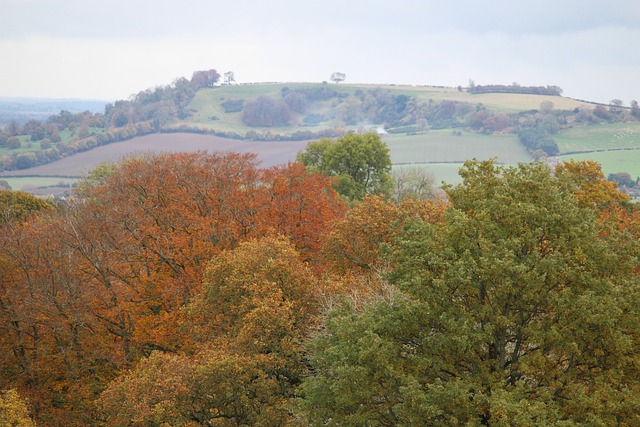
point(248, 324)
point(92, 287)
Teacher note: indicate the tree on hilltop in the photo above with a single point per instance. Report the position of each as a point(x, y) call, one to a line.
point(338, 77)
point(205, 78)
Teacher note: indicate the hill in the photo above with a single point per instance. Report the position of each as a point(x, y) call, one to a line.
point(436, 128)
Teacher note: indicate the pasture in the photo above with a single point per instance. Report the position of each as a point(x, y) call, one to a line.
point(599, 137)
point(441, 152)
point(443, 146)
point(612, 161)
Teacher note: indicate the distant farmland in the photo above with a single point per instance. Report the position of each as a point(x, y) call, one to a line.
point(440, 152)
point(269, 153)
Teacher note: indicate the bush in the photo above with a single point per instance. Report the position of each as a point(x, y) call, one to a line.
point(13, 143)
point(266, 112)
point(233, 105)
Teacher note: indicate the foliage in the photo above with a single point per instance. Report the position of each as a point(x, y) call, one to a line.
point(412, 184)
point(248, 322)
point(13, 410)
point(361, 163)
point(590, 188)
point(266, 112)
point(338, 77)
point(537, 138)
point(18, 205)
point(89, 290)
point(535, 90)
point(514, 310)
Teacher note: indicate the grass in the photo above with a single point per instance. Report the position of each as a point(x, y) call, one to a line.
point(611, 161)
point(599, 137)
point(501, 102)
point(444, 147)
point(26, 183)
point(442, 153)
point(208, 112)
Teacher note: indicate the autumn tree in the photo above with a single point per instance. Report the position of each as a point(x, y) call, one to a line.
point(588, 184)
point(13, 410)
point(248, 323)
point(18, 205)
point(514, 310)
point(360, 162)
point(90, 288)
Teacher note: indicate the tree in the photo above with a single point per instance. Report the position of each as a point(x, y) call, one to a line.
point(546, 106)
point(204, 79)
point(13, 410)
point(635, 109)
point(229, 78)
point(360, 162)
point(18, 205)
point(615, 105)
point(338, 77)
point(412, 184)
point(13, 142)
point(266, 111)
point(622, 178)
point(512, 311)
point(248, 322)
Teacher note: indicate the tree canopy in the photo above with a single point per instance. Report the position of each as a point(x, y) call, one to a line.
point(514, 310)
point(360, 162)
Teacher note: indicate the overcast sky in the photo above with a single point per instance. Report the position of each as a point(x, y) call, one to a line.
point(110, 49)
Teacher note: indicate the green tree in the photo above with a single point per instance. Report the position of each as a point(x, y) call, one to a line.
point(360, 162)
point(513, 311)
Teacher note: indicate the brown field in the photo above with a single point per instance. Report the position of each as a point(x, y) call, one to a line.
point(269, 153)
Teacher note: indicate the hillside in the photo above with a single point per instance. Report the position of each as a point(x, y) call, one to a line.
point(436, 128)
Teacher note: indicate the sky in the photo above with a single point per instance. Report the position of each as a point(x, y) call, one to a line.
point(109, 50)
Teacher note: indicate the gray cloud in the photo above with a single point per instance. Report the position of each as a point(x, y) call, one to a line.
point(588, 48)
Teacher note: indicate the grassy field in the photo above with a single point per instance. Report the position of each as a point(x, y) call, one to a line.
point(612, 161)
point(445, 147)
point(209, 112)
point(28, 183)
point(599, 137)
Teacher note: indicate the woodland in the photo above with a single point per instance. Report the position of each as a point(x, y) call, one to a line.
point(200, 289)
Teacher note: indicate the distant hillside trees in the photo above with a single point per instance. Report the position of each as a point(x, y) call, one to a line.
point(266, 111)
point(537, 138)
point(205, 78)
point(515, 88)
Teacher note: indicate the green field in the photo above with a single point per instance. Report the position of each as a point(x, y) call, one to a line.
point(443, 146)
point(612, 161)
point(27, 183)
point(502, 102)
point(599, 137)
point(208, 112)
point(442, 153)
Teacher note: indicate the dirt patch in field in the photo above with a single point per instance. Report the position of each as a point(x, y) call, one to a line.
point(269, 153)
